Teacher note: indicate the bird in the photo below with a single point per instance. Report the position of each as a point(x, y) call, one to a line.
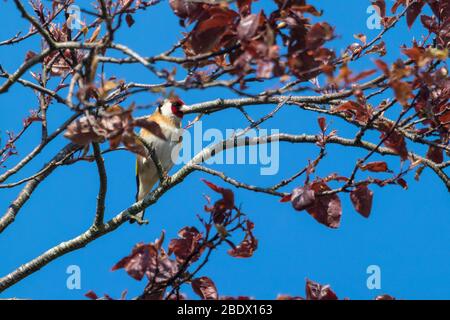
point(165, 138)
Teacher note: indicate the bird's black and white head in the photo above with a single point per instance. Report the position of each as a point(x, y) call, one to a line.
point(173, 108)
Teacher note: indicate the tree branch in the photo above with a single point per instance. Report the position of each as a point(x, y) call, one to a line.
point(26, 192)
point(100, 211)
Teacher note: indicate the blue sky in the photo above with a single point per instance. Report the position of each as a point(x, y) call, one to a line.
point(407, 234)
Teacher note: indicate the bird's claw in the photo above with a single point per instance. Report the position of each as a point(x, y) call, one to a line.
point(138, 220)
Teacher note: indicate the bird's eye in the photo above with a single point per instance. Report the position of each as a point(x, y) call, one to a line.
point(177, 104)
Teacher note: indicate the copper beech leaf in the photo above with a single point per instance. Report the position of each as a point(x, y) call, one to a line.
point(397, 143)
point(384, 297)
point(141, 261)
point(397, 4)
point(248, 246)
point(413, 12)
point(435, 154)
point(91, 295)
point(383, 66)
point(326, 209)
point(354, 110)
point(186, 9)
point(244, 6)
point(286, 198)
point(302, 198)
point(129, 19)
point(208, 32)
point(288, 297)
point(318, 35)
point(378, 48)
point(380, 6)
point(205, 288)
point(362, 198)
point(184, 247)
point(307, 9)
point(376, 166)
point(245, 249)
point(222, 208)
point(116, 125)
point(402, 182)
point(227, 194)
point(322, 123)
point(148, 260)
point(316, 291)
point(247, 26)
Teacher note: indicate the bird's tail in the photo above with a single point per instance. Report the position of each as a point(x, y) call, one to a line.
point(138, 217)
point(140, 194)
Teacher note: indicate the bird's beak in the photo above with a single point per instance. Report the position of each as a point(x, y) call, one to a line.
point(184, 108)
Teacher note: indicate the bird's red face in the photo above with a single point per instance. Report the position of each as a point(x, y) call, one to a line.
point(176, 106)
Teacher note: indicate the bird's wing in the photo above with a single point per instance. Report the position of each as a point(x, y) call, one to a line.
point(137, 179)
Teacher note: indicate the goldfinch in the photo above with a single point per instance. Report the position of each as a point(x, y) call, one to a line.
point(166, 142)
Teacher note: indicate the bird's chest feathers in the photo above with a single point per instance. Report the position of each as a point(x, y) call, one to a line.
point(167, 143)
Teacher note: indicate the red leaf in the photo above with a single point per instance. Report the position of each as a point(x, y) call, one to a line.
point(149, 260)
point(381, 6)
point(184, 247)
point(245, 249)
point(205, 288)
point(378, 48)
point(139, 261)
point(288, 297)
point(402, 182)
point(435, 154)
point(244, 6)
point(29, 55)
point(362, 198)
point(316, 291)
point(376, 166)
point(402, 91)
point(208, 33)
point(429, 22)
point(186, 9)
point(129, 19)
point(355, 110)
point(318, 35)
point(286, 198)
point(236, 298)
point(322, 123)
point(327, 209)
point(228, 195)
point(264, 69)
point(361, 37)
point(303, 198)
point(307, 9)
point(413, 12)
point(397, 5)
point(384, 297)
point(362, 75)
point(248, 246)
point(382, 66)
point(247, 26)
point(416, 54)
point(91, 295)
point(33, 117)
point(396, 142)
